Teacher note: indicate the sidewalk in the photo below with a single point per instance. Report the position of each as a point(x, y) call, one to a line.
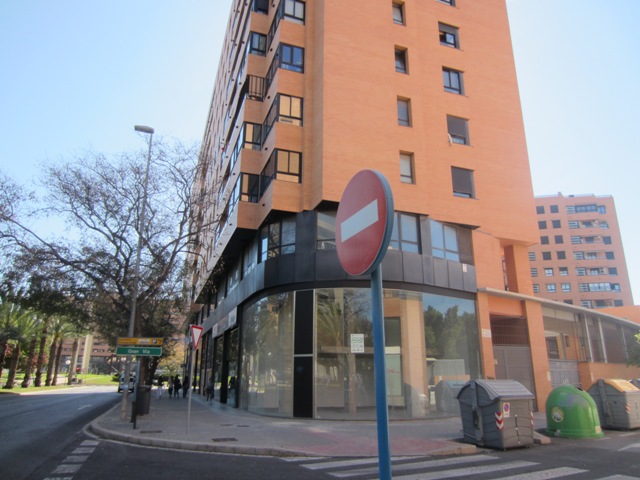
point(218, 428)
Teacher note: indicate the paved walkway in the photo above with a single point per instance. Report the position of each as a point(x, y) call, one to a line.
point(218, 428)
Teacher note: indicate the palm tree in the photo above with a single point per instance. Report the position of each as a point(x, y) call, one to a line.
point(7, 329)
point(26, 324)
point(60, 328)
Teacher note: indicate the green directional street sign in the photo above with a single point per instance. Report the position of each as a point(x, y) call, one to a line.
point(140, 351)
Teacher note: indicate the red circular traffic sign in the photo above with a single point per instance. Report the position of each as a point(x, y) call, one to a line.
point(364, 222)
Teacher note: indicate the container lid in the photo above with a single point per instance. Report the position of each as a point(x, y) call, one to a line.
point(501, 388)
point(621, 385)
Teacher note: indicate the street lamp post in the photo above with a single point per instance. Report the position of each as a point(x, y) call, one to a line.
point(136, 271)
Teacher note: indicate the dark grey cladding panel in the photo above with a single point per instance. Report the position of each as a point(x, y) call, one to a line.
point(469, 278)
point(305, 267)
point(412, 267)
point(427, 270)
point(279, 271)
point(455, 276)
point(440, 272)
point(328, 266)
point(392, 266)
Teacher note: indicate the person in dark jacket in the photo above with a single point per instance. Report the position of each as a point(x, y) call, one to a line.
point(177, 385)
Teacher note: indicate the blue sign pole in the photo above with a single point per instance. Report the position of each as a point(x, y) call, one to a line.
point(379, 368)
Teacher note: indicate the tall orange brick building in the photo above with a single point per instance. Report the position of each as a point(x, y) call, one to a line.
point(580, 258)
point(307, 94)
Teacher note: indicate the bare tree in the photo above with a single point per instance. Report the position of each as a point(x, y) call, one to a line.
point(99, 200)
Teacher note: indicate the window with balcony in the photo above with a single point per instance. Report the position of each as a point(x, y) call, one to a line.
point(288, 57)
point(257, 44)
point(284, 109)
point(260, 6)
point(282, 165)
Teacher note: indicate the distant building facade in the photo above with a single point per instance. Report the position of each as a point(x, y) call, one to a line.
point(94, 355)
point(579, 258)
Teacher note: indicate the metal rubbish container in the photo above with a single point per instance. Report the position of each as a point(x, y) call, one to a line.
point(572, 413)
point(618, 403)
point(446, 391)
point(143, 399)
point(496, 413)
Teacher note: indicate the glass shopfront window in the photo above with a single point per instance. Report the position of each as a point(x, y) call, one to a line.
point(267, 361)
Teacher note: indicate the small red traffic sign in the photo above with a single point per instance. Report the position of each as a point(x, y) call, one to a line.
point(364, 222)
point(196, 333)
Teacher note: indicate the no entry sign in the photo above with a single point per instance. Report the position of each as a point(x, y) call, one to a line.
point(364, 222)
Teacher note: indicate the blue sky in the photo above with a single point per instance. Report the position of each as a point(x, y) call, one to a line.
point(77, 75)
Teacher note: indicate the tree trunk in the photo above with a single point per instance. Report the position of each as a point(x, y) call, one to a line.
point(30, 362)
point(13, 368)
point(52, 360)
point(4, 344)
point(74, 361)
point(41, 356)
point(57, 363)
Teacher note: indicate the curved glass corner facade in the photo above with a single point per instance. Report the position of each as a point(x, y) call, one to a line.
point(431, 345)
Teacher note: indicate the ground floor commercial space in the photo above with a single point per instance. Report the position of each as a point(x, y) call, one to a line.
point(309, 353)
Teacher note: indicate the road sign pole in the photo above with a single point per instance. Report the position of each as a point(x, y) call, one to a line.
point(193, 359)
point(379, 368)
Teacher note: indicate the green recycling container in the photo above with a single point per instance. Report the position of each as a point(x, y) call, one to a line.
point(572, 413)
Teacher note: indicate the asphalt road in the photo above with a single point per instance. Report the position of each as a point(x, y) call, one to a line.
point(35, 428)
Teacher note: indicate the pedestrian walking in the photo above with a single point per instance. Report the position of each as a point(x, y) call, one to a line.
point(210, 386)
point(159, 389)
point(185, 387)
point(177, 386)
point(170, 387)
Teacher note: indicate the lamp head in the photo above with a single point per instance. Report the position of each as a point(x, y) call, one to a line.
point(143, 129)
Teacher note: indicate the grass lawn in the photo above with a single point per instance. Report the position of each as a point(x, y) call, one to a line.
point(83, 379)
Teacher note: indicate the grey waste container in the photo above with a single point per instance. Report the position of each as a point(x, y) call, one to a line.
point(446, 391)
point(496, 413)
point(143, 399)
point(618, 403)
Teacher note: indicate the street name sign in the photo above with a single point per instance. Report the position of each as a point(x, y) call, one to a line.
point(151, 341)
point(140, 351)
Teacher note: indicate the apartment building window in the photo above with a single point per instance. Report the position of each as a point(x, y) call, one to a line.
point(444, 241)
point(458, 130)
point(613, 271)
point(585, 303)
point(448, 35)
point(534, 272)
point(293, 10)
point(278, 238)
point(565, 287)
point(573, 224)
point(561, 255)
point(448, 2)
point(542, 225)
point(568, 302)
point(251, 136)
point(398, 13)
point(532, 256)
point(618, 303)
point(462, 181)
point(540, 209)
point(326, 230)
point(405, 236)
point(559, 239)
point(406, 167)
point(404, 112)
point(260, 6)
point(604, 225)
point(288, 57)
point(576, 239)
point(257, 44)
point(551, 287)
point(606, 240)
point(284, 109)
point(581, 271)
point(554, 209)
point(401, 60)
point(536, 288)
point(544, 240)
point(452, 80)
point(548, 272)
point(563, 271)
point(556, 224)
point(610, 256)
point(249, 187)
point(282, 165)
point(546, 255)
